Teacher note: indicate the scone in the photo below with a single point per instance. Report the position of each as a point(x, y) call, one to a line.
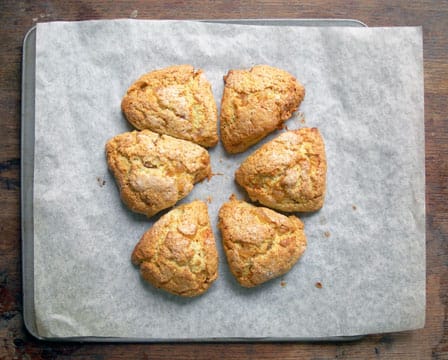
point(155, 171)
point(287, 173)
point(176, 101)
point(255, 102)
point(260, 244)
point(178, 253)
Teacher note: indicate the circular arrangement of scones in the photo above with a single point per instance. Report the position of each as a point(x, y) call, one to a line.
point(176, 101)
point(154, 171)
point(156, 167)
point(260, 244)
point(178, 253)
point(287, 173)
point(255, 102)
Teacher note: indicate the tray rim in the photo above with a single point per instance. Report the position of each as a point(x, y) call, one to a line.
point(27, 183)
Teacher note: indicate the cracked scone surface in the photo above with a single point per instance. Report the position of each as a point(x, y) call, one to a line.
point(287, 173)
point(155, 171)
point(178, 253)
point(260, 244)
point(176, 101)
point(255, 102)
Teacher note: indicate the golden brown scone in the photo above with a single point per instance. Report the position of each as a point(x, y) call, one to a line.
point(287, 173)
point(155, 171)
point(255, 102)
point(178, 253)
point(260, 244)
point(176, 101)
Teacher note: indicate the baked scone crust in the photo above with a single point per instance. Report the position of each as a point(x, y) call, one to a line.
point(155, 171)
point(178, 253)
point(260, 244)
point(287, 173)
point(255, 102)
point(176, 101)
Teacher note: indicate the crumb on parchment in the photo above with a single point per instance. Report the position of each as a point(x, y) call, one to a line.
point(101, 181)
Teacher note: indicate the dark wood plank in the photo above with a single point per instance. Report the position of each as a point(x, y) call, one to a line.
point(431, 342)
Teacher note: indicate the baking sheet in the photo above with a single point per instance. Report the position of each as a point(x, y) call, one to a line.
point(364, 92)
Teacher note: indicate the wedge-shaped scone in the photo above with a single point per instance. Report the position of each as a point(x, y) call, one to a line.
point(178, 253)
point(255, 102)
point(287, 173)
point(260, 244)
point(155, 171)
point(176, 101)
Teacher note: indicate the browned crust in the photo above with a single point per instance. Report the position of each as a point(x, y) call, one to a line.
point(255, 102)
point(260, 244)
point(178, 253)
point(287, 173)
point(155, 171)
point(176, 101)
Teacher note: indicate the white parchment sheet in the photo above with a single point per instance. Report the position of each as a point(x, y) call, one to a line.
point(364, 91)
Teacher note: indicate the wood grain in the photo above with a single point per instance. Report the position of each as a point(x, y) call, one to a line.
point(16, 17)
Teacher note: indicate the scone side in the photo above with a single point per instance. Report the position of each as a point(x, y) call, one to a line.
point(203, 94)
point(237, 136)
point(121, 171)
point(118, 169)
point(232, 257)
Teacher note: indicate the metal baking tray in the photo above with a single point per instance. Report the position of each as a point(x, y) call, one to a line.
point(27, 181)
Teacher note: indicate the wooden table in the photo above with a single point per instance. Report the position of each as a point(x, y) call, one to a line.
point(16, 17)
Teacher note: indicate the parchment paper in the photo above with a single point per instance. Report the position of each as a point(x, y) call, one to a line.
point(364, 91)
